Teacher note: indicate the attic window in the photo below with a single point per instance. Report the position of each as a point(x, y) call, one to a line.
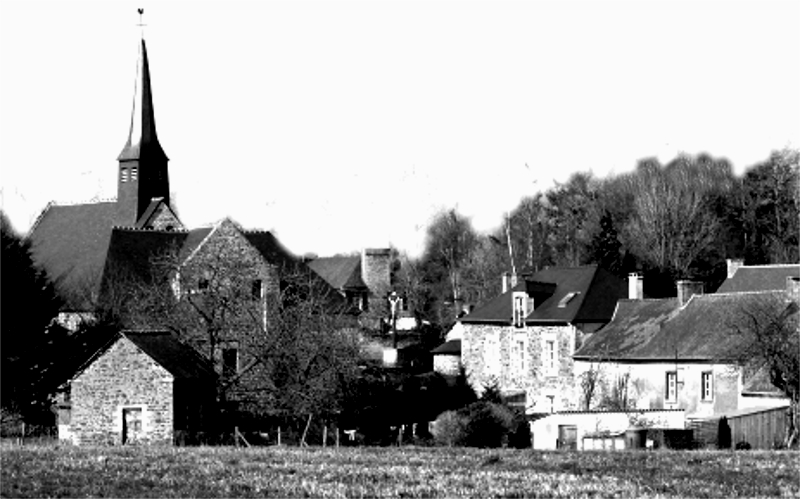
point(568, 298)
point(202, 284)
point(521, 306)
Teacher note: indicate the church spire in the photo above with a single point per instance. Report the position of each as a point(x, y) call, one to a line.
point(143, 174)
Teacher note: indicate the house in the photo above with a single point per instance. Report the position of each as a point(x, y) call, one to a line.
point(523, 340)
point(684, 352)
point(142, 387)
point(365, 280)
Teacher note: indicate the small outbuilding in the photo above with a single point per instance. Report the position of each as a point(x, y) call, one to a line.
point(142, 387)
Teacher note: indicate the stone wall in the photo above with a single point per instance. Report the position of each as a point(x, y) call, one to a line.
point(230, 266)
point(164, 219)
point(448, 365)
point(122, 377)
point(490, 354)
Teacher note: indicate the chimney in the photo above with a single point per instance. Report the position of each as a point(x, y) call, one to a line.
point(635, 286)
point(733, 266)
point(687, 289)
point(376, 271)
point(793, 289)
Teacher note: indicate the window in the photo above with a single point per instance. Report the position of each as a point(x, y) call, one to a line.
point(519, 309)
point(707, 386)
point(551, 403)
point(568, 298)
point(257, 289)
point(671, 393)
point(202, 284)
point(519, 355)
point(123, 174)
point(134, 172)
point(550, 360)
point(492, 354)
point(230, 361)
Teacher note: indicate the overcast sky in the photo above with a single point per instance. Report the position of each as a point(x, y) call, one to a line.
point(343, 125)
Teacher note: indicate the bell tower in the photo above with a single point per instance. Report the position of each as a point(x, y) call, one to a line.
point(143, 173)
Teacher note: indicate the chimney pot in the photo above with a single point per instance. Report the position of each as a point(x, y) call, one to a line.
point(733, 266)
point(635, 286)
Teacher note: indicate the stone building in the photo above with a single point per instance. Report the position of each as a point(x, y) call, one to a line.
point(523, 340)
point(142, 387)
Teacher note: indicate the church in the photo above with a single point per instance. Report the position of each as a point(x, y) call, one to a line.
point(196, 304)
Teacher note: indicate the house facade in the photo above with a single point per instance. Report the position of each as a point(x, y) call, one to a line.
point(142, 388)
point(522, 341)
point(682, 353)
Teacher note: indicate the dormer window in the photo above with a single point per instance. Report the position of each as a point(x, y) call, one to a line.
point(520, 304)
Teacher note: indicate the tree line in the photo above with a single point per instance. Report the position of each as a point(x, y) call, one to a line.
point(669, 222)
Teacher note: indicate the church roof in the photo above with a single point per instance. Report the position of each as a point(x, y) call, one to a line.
point(142, 139)
point(70, 243)
point(270, 248)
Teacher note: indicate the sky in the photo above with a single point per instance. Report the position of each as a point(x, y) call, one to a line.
point(345, 125)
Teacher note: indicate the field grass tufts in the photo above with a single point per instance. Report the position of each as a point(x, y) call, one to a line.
point(55, 471)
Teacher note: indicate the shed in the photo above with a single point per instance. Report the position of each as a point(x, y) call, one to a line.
point(143, 387)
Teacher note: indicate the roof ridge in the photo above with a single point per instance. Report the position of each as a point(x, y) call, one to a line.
point(772, 265)
point(148, 229)
point(738, 293)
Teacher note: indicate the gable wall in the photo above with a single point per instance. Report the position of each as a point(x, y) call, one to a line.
point(241, 263)
point(122, 376)
point(537, 383)
point(164, 219)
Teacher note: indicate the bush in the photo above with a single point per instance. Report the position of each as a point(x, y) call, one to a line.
point(482, 424)
point(449, 429)
point(743, 445)
point(724, 434)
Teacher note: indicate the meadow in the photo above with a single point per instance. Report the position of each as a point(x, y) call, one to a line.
point(62, 471)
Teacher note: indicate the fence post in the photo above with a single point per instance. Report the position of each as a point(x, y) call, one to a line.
point(325, 436)
point(279, 436)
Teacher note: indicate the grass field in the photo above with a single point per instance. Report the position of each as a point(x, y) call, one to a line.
point(52, 471)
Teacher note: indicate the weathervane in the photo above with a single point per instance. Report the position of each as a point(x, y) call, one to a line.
point(141, 23)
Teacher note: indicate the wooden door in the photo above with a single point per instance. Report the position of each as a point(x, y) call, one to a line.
point(567, 437)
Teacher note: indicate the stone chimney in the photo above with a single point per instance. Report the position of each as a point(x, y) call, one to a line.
point(793, 289)
point(635, 286)
point(687, 289)
point(733, 266)
point(376, 270)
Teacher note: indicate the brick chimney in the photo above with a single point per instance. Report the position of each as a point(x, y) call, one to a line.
point(793, 289)
point(733, 266)
point(635, 286)
point(687, 289)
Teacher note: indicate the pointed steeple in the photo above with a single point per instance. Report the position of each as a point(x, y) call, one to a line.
point(143, 174)
point(142, 138)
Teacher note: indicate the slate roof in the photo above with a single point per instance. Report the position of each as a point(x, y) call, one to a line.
point(596, 292)
point(70, 243)
point(270, 248)
point(341, 272)
point(657, 330)
point(452, 347)
point(749, 278)
point(181, 360)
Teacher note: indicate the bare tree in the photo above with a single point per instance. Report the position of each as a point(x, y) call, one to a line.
point(672, 223)
point(767, 340)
